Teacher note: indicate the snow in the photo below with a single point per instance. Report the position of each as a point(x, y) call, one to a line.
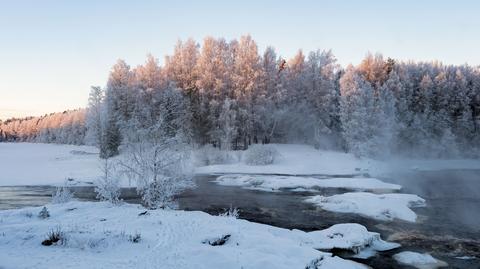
point(99, 235)
point(418, 260)
point(465, 258)
point(350, 236)
point(378, 206)
point(52, 164)
point(328, 262)
point(298, 160)
point(46, 164)
point(275, 183)
point(306, 160)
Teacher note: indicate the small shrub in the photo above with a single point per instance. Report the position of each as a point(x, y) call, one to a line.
point(161, 194)
point(108, 186)
point(217, 241)
point(260, 155)
point(95, 243)
point(44, 213)
point(55, 237)
point(208, 155)
point(108, 189)
point(231, 213)
point(135, 238)
point(62, 195)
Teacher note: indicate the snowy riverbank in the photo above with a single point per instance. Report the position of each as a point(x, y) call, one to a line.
point(305, 160)
point(101, 235)
point(52, 164)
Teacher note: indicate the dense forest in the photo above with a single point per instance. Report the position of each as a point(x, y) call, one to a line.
point(227, 94)
point(66, 127)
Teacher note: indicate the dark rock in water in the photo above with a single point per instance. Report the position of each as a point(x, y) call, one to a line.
point(217, 241)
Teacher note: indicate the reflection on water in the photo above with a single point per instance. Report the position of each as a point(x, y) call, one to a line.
point(17, 197)
point(448, 227)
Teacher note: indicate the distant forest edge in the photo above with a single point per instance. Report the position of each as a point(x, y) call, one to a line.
point(66, 127)
point(226, 94)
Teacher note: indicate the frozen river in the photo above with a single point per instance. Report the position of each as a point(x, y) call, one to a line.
point(448, 227)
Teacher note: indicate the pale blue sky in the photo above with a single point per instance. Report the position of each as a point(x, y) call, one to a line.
point(52, 51)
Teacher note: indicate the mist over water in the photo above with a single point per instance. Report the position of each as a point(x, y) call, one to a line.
point(453, 194)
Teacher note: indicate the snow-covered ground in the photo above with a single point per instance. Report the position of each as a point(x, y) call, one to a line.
point(378, 206)
point(306, 160)
point(299, 160)
point(46, 164)
point(100, 235)
point(275, 183)
point(419, 260)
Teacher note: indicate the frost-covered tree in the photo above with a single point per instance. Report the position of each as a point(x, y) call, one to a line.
point(117, 108)
point(323, 97)
point(359, 113)
point(227, 120)
point(93, 120)
point(181, 67)
point(245, 81)
point(157, 155)
point(62, 195)
point(149, 76)
point(107, 186)
point(412, 108)
point(111, 138)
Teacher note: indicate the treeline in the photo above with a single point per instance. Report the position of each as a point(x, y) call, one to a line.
point(235, 97)
point(226, 94)
point(66, 127)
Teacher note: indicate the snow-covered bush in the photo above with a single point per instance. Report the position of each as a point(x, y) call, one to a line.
point(135, 238)
point(55, 237)
point(219, 241)
point(260, 155)
point(209, 155)
point(161, 169)
point(44, 213)
point(62, 195)
point(108, 186)
point(232, 212)
point(157, 151)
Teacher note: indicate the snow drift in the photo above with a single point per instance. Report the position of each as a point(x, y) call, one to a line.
point(99, 235)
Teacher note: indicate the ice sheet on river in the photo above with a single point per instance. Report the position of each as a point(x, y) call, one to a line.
point(99, 235)
point(378, 206)
point(418, 260)
point(274, 183)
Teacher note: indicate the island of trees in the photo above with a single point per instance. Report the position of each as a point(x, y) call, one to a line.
point(228, 95)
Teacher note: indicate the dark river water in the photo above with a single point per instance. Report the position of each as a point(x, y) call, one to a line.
point(448, 227)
